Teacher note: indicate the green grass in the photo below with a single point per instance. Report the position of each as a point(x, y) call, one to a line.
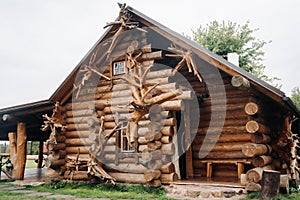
point(31, 164)
point(293, 196)
point(118, 191)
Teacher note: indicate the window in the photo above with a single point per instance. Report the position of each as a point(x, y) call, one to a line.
point(119, 68)
point(125, 146)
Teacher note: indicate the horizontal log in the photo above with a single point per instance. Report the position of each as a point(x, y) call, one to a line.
point(260, 138)
point(168, 149)
point(168, 168)
point(234, 137)
point(256, 127)
point(164, 122)
point(224, 130)
point(60, 138)
point(83, 157)
point(252, 149)
point(58, 146)
point(110, 157)
point(168, 178)
point(251, 108)
point(128, 177)
point(253, 187)
point(150, 175)
point(78, 142)
point(244, 180)
point(255, 174)
point(242, 100)
point(233, 146)
point(166, 139)
point(261, 161)
point(72, 150)
point(54, 163)
point(240, 81)
point(127, 168)
point(77, 134)
point(151, 56)
point(229, 126)
point(80, 175)
point(219, 155)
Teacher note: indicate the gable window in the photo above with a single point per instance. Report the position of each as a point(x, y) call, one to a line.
point(119, 68)
point(125, 146)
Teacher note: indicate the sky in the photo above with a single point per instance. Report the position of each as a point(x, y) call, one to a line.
point(41, 42)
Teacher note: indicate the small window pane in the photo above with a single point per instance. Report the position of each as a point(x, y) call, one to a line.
point(119, 68)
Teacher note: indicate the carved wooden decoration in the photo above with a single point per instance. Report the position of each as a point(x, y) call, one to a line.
point(124, 22)
point(55, 143)
point(186, 60)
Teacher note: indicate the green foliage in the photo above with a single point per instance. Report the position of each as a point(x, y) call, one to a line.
point(55, 185)
point(223, 38)
point(296, 97)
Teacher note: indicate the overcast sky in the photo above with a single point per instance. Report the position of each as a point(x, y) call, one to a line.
point(42, 41)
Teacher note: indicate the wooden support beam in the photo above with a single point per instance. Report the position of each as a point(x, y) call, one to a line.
point(188, 139)
point(21, 150)
point(12, 136)
point(40, 156)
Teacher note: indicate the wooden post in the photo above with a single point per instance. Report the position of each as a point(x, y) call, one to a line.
point(189, 151)
point(40, 157)
point(270, 184)
point(12, 136)
point(240, 169)
point(21, 151)
point(209, 170)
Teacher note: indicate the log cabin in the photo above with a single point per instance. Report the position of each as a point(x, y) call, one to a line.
point(147, 105)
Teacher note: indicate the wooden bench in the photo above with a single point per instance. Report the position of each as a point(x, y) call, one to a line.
point(239, 162)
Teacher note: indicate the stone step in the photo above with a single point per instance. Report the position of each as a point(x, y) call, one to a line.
point(204, 192)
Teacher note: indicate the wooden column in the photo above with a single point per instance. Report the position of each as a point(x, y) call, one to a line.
point(21, 151)
point(188, 140)
point(12, 136)
point(41, 157)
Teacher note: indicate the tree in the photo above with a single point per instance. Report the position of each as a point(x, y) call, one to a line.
point(296, 96)
point(223, 38)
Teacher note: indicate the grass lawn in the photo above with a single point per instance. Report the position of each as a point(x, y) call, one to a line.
point(31, 164)
point(118, 191)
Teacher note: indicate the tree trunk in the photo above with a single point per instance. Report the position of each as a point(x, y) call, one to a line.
point(13, 151)
point(21, 151)
point(41, 155)
point(270, 184)
point(260, 138)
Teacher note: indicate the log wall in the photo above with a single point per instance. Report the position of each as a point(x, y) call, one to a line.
point(244, 138)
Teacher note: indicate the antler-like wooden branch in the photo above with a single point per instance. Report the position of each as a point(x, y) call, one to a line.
point(186, 59)
point(88, 70)
point(124, 23)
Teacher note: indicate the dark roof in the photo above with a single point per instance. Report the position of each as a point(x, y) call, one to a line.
point(65, 89)
point(31, 114)
point(235, 69)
